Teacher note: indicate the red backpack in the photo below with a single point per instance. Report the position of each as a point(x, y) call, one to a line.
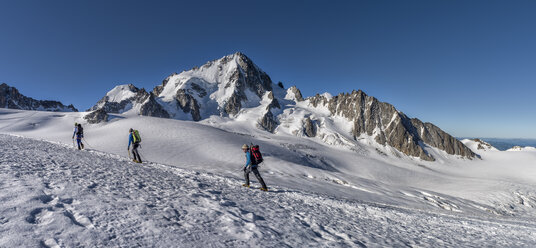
point(256, 156)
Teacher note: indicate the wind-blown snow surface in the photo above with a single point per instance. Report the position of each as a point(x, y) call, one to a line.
point(56, 196)
point(321, 195)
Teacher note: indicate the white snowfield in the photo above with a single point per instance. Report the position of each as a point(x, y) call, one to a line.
point(190, 194)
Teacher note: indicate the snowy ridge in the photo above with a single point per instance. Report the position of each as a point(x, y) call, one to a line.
point(120, 93)
point(478, 145)
point(520, 148)
point(122, 99)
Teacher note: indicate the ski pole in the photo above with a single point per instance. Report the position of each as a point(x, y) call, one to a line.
point(129, 157)
point(90, 146)
point(143, 157)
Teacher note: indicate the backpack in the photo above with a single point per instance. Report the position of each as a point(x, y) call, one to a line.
point(256, 156)
point(79, 130)
point(136, 136)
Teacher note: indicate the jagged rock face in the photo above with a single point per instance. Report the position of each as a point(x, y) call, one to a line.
point(253, 78)
point(388, 126)
point(97, 116)
point(246, 76)
point(268, 122)
point(234, 104)
point(151, 108)
point(318, 100)
point(11, 98)
point(309, 128)
point(434, 136)
point(482, 145)
point(274, 103)
point(121, 99)
point(220, 87)
point(188, 104)
point(296, 92)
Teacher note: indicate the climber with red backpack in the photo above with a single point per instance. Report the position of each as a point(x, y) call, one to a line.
point(253, 159)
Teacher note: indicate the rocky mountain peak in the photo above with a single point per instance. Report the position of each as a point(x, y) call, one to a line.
point(390, 127)
point(121, 99)
point(293, 93)
point(219, 87)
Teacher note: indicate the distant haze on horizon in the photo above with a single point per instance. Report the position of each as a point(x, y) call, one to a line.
point(465, 66)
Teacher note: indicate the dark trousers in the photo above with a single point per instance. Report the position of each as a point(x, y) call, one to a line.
point(255, 171)
point(135, 152)
point(79, 142)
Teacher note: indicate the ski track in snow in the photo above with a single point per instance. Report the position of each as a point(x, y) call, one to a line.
point(55, 196)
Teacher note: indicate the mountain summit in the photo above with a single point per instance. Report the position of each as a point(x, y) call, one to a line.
point(236, 89)
point(220, 87)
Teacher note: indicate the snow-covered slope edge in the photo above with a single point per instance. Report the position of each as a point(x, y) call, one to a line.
point(305, 164)
point(63, 197)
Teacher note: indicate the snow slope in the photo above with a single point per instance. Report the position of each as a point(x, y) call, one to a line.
point(55, 196)
point(328, 194)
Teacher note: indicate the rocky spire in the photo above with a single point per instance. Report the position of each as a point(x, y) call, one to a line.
point(293, 93)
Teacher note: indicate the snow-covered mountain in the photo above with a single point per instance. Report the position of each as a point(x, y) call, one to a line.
point(11, 98)
point(380, 121)
point(221, 87)
point(522, 148)
point(478, 145)
point(233, 88)
point(121, 99)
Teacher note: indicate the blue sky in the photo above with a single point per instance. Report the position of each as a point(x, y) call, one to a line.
point(467, 66)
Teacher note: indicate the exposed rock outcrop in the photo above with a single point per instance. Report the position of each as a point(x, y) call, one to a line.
point(434, 136)
point(482, 145)
point(390, 127)
point(121, 99)
point(11, 98)
point(97, 116)
point(309, 127)
point(246, 76)
point(188, 104)
point(294, 93)
point(268, 122)
point(151, 108)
